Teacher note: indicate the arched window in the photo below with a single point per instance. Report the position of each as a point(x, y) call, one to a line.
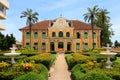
point(43, 35)
point(60, 34)
point(94, 35)
point(67, 34)
point(85, 35)
point(77, 35)
point(53, 34)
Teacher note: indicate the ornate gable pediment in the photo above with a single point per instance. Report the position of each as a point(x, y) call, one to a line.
point(60, 23)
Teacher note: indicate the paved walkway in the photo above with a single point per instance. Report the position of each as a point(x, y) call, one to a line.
point(59, 70)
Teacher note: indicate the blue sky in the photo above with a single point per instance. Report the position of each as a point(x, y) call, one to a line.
point(52, 9)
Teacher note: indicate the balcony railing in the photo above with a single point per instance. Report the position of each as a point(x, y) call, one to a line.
point(5, 3)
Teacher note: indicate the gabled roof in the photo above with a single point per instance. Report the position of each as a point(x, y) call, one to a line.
point(43, 25)
point(76, 24)
point(79, 25)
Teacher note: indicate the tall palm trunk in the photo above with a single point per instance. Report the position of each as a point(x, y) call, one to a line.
point(92, 25)
point(30, 25)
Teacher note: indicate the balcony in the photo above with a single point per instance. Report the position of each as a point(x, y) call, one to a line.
point(5, 3)
point(2, 15)
point(2, 27)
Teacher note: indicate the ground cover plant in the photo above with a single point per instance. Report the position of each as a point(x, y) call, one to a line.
point(30, 65)
point(92, 64)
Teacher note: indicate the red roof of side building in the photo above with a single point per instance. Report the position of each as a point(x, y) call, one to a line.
point(43, 25)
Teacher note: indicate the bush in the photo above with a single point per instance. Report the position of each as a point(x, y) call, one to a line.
point(118, 54)
point(69, 52)
point(28, 52)
point(98, 57)
point(76, 58)
point(95, 76)
point(52, 52)
point(76, 73)
point(42, 75)
point(44, 58)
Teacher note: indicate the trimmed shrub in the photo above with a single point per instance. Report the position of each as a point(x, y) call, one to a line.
point(52, 52)
point(69, 52)
point(42, 75)
point(95, 76)
point(76, 73)
point(28, 52)
point(44, 58)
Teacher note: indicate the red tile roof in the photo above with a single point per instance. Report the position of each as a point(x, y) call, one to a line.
point(43, 25)
point(79, 25)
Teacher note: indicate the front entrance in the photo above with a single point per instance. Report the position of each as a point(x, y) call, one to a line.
point(60, 46)
point(68, 46)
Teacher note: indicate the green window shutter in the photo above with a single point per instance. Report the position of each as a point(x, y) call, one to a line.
point(60, 34)
point(94, 45)
point(36, 35)
point(94, 35)
point(43, 35)
point(27, 45)
point(67, 34)
point(86, 46)
point(77, 46)
point(53, 34)
point(43, 46)
point(77, 35)
point(86, 35)
point(36, 46)
point(27, 35)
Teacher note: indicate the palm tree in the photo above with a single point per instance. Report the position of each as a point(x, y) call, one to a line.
point(91, 17)
point(31, 19)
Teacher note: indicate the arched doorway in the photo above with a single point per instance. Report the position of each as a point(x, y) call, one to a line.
point(60, 45)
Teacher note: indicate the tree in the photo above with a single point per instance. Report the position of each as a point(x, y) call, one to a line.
point(31, 19)
point(103, 21)
point(6, 41)
point(91, 16)
point(116, 44)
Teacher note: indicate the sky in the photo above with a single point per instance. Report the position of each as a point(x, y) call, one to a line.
point(52, 9)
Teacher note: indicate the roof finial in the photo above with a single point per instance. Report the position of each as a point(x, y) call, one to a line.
point(60, 15)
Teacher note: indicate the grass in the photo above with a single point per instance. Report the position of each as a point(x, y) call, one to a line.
point(118, 60)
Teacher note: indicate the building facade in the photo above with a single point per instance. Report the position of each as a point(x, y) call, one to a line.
point(3, 6)
point(61, 34)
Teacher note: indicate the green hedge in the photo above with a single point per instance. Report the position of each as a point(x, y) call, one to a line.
point(44, 58)
point(78, 74)
point(95, 76)
point(43, 75)
point(69, 52)
point(28, 52)
point(76, 58)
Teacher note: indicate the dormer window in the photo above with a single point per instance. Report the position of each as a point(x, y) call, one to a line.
point(69, 24)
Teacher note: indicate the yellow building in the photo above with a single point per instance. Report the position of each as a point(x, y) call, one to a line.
point(61, 34)
point(3, 6)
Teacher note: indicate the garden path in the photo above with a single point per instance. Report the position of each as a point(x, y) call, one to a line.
point(59, 70)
